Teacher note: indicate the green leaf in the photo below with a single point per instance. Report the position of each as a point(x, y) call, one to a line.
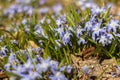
point(71, 21)
point(107, 13)
point(112, 48)
point(92, 41)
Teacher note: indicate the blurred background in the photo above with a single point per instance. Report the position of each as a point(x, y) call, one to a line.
point(16, 10)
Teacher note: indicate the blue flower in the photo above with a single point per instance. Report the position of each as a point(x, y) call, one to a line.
point(60, 31)
point(61, 20)
point(112, 26)
point(12, 62)
point(118, 70)
point(96, 30)
point(39, 31)
point(37, 50)
point(58, 42)
point(25, 78)
point(12, 58)
point(30, 11)
point(96, 10)
point(84, 4)
point(58, 76)
point(69, 69)
point(62, 68)
point(7, 67)
point(44, 65)
point(86, 69)
point(41, 2)
point(23, 1)
point(81, 41)
point(11, 10)
point(79, 31)
point(88, 26)
point(3, 51)
point(20, 71)
point(102, 39)
point(110, 38)
point(57, 8)
point(66, 38)
point(28, 65)
point(24, 21)
point(44, 10)
point(14, 42)
point(53, 66)
point(33, 75)
point(118, 35)
point(70, 29)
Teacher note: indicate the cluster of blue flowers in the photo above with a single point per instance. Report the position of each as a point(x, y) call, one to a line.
point(32, 68)
point(29, 1)
point(96, 28)
point(13, 9)
point(84, 4)
point(23, 6)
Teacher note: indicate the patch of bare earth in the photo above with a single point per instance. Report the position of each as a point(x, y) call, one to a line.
point(92, 69)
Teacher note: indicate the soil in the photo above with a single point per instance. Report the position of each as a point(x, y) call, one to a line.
point(106, 70)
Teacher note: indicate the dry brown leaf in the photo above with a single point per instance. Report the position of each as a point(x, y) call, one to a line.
point(75, 61)
point(3, 75)
point(86, 53)
point(16, 33)
point(109, 62)
point(32, 43)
